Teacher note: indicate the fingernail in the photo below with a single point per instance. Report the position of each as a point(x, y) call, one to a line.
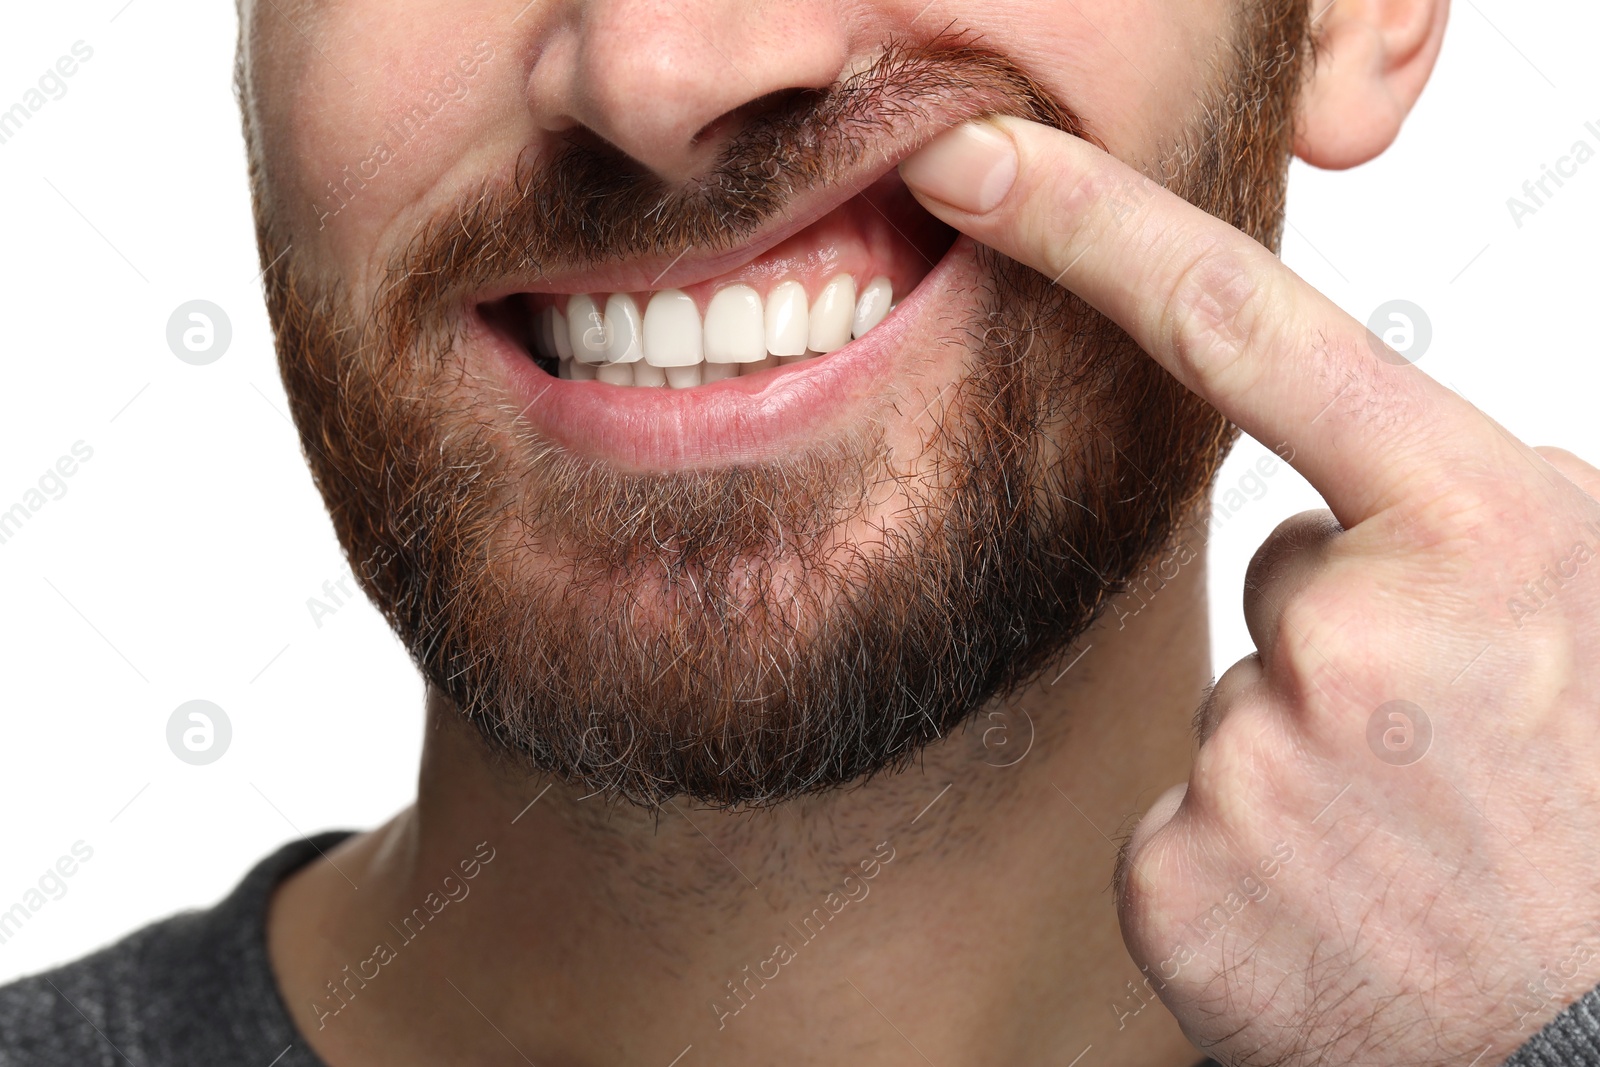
point(971, 168)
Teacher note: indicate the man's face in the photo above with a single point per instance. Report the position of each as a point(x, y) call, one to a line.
point(690, 566)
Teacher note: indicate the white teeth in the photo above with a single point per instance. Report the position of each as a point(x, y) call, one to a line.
point(558, 334)
point(873, 307)
point(623, 329)
point(831, 315)
point(607, 339)
point(685, 377)
point(586, 330)
point(734, 330)
point(788, 319)
point(672, 333)
point(615, 373)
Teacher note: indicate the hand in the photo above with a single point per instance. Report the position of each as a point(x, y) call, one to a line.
point(1387, 849)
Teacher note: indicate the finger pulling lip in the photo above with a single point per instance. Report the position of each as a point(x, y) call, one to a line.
point(878, 235)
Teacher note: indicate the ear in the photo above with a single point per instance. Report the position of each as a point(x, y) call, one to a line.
point(1373, 58)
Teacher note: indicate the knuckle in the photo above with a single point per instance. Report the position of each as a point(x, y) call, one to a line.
point(1314, 629)
point(1218, 307)
point(1235, 774)
point(1077, 195)
point(1236, 682)
point(1074, 211)
point(1149, 886)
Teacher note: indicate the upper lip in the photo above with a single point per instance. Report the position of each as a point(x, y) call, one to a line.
point(691, 266)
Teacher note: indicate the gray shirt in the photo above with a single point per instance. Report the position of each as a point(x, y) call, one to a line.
point(197, 989)
point(192, 990)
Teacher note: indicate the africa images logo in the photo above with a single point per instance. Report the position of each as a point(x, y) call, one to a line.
point(742, 989)
point(452, 889)
point(401, 131)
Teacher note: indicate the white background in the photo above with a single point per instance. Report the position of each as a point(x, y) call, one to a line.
point(179, 562)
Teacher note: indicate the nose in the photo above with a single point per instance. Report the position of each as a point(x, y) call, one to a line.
point(669, 81)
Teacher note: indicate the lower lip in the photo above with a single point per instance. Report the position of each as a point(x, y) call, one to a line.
point(737, 420)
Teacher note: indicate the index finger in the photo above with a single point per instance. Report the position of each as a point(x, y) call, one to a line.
point(1214, 307)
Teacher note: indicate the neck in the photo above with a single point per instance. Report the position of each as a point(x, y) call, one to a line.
point(956, 912)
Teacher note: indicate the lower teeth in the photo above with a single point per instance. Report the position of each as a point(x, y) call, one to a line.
point(642, 373)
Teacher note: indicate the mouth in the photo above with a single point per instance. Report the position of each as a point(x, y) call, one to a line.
point(807, 296)
point(729, 363)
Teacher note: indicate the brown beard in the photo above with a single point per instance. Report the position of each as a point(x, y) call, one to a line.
point(742, 635)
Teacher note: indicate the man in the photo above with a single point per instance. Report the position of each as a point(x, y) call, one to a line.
point(752, 453)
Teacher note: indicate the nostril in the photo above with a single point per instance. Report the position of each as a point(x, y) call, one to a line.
point(762, 107)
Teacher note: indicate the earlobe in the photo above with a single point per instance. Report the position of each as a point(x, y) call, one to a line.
point(1373, 58)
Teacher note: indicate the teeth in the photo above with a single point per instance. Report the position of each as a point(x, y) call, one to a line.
point(615, 373)
point(831, 315)
point(672, 332)
point(788, 320)
point(873, 306)
point(607, 339)
point(734, 331)
point(586, 330)
point(686, 377)
point(558, 334)
point(623, 329)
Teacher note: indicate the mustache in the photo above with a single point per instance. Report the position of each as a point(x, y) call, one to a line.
point(590, 203)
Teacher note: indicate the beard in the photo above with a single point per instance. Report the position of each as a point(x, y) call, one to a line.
point(750, 633)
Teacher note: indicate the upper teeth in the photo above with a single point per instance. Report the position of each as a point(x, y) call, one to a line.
point(669, 343)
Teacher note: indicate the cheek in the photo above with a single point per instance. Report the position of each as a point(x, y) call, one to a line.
point(1129, 67)
point(381, 119)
